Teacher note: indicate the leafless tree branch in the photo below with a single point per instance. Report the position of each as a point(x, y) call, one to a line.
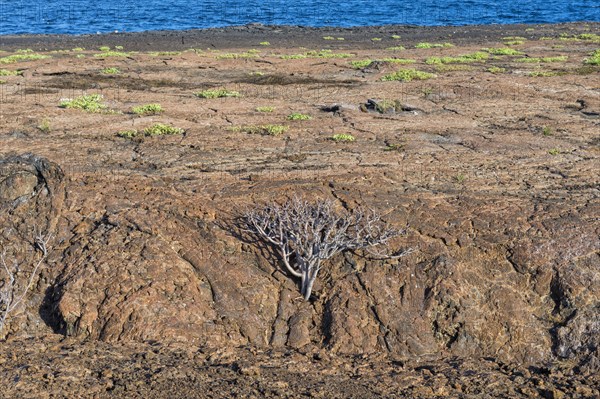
point(306, 233)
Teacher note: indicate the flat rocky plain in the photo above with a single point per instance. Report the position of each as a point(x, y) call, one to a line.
point(492, 165)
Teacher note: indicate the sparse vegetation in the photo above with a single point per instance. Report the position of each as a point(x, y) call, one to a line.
point(396, 48)
point(394, 147)
point(127, 134)
point(111, 71)
point(217, 93)
point(265, 109)
point(296, 116)
point(543, 74)
point(265, 130)
point(376, 39)
point(533, 60)
point(396, 37)
point(6, 72)
point(594, 59)
point(160, 129)
point(10, 59)
point(247, 54)
point(407, 75)
point(163, 53)
point(265, 43)
point(496, 70)
point(513, 42)
point(104, 48)
point(118, 47)
point(107, 54)
point(317, 54)
point(328, 38)
point(44, 126)
point(343, 138)
point(547, 131)
point(88, 103)
point(503, 51)
point(77, 49)
point(478, 56)
point(433, 45)
point(147, 109)
point(554, 151)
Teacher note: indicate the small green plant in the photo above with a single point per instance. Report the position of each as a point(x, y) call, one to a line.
point(160, 129)
point(118, 47)
point(80, 56)
point(407, 75)
point(5, 72)
point(127, 134)
point(327, 54)
point(396, 37)
point(111, 71)
point(460, 178)
point(265, 43)
point(376, 39)
point(22, 57)
point(104, 48)
point(547, 131)
point(217, 93)
point(503, 51)
point(543, 74)
point(496, 70)
point(88, 103)
point(235, 56)
point(265, 109)
point(328, 38)
point(513, 42)
point(147, 109)
point(394, 147)
point(513, 38)
point(163, 53)
point(2, 81)
point(343, 138)
point(257, 73)
point(78, 49)
point(24, 51)
point(296, 116)
point(594, 59)
point(589, 37)
point(293, 56)
point(396, 48)
point(399, 60)
point(266, 130)
point(340, 38)
point(44, 126)
point(433, 45)
point(554, 151)
point(107, 54)
point(360, 64)
point(478, 56)
point(534, 60)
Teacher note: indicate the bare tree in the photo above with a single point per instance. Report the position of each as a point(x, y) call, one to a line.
point(305, 234)
point(13, 287)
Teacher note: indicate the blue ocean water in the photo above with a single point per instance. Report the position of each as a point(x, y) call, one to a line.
point(79, 16)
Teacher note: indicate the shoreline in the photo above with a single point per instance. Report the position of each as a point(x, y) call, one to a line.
point(289, 36)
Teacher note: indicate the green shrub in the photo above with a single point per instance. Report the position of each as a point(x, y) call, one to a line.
point(433, 45)
point(396, 48)
point(296, 116)
point(217, 93)
point(496, 70)
point(160, 129)
point(265, 109)
point(88, 103)
point(594, 59)
point(107, 54)
point(127, 134)
point(267, 130)
point(163, 53)
point(147, 109)
point(111, 71)
point(503, 51)
point(22, 57)
point(543, 59)
point(5, 72)
point(478, 56)
point(343, 138)
point(407, 75)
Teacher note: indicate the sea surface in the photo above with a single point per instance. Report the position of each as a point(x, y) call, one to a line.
point(83, 16)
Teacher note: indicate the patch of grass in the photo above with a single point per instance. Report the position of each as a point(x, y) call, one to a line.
point(107, 54)
point(513, 38)
point(407, 75)
point(502, 51)
point(163, 53)
point(44, 126)
point(24, 51)
point(297, 116)
point(513, 42)
point(340, 38)
point(452, 67)
point(478, 56)
point(343, 138)
point(433, 45)
point(80, 56)
point(22, 57)
point(396, 37)
point(118, 47)
point(127, 134)
point(265, 130)
point(534, 60)
point(257, 73)
point(328, 38)
point(217, 93)
point(78, 49)
point(2, 82)
point(594, 59)
point(360, 64)
point(265, 43)
point(265, 109)
point(104, 48)
point(589, 37)
point(460, 178)
point(235, 56)
point(396, 48)
point(160, 129)
point(376, 39)
point(543, 74)
point(6, 72)
point(547, 131)
point(147, 109)
point(496, 70)
point(554, 151)
point(384, 106)
point(111, 71)
point(327, 54)
point(293, 56)
point(399, 60)
point(87, 103)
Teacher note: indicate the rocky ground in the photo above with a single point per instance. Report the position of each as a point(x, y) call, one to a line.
point(492, 163)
